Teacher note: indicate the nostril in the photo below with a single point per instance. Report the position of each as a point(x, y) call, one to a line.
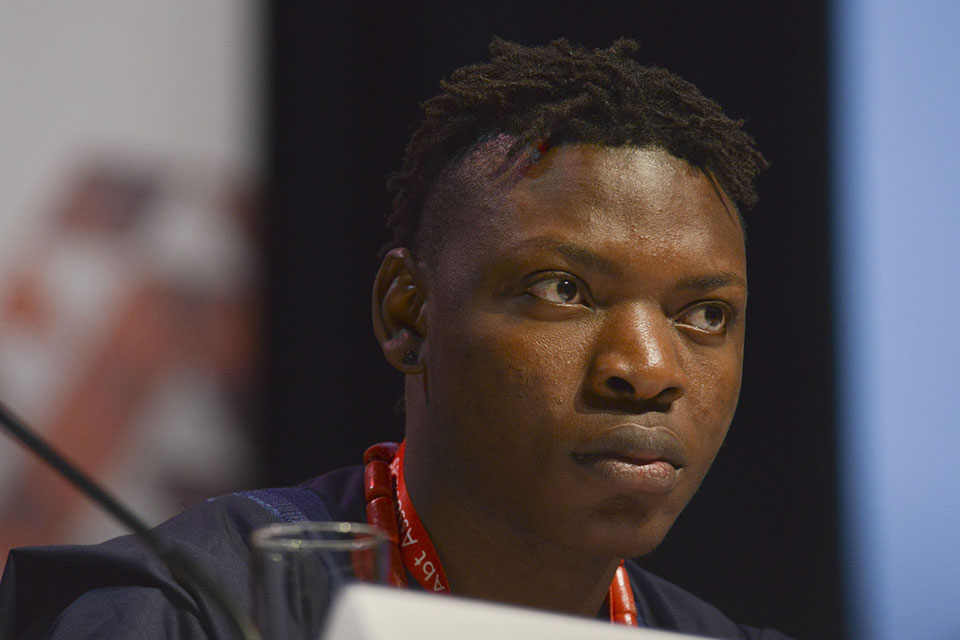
point(619, 385)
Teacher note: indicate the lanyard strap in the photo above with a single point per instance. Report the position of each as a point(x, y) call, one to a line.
point(419, 556)
point(389, 507)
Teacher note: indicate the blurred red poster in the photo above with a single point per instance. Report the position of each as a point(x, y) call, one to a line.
point(128, 337)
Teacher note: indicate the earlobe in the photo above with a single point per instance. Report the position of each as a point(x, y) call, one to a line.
point(399, 305)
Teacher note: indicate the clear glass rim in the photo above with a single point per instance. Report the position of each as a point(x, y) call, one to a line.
point(294, 536)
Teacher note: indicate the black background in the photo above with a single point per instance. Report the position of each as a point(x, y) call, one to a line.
point(760, 539)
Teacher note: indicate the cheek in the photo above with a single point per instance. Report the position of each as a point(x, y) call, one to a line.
point(713, 392)
point(508, 378)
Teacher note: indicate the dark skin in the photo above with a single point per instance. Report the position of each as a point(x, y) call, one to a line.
point(580, 341)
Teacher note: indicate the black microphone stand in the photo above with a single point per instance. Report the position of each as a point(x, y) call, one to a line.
point(182, 567)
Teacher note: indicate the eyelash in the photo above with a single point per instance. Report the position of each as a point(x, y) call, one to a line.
point(729, 314)
point(581, 289)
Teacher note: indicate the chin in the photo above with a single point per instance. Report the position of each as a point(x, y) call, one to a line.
point(638, 548)
point(632, 544)
point(628, 534)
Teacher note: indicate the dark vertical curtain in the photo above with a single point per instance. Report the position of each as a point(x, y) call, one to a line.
point(760, 539)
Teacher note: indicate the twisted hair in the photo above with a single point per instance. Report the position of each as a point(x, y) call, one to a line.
point(566, 94)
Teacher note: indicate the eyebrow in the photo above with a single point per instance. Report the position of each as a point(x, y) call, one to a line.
point(608, 267)
point(576, 254)
point(712, 281)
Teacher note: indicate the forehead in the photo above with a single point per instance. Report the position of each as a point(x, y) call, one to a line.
point(611, 197)
point(640, 186)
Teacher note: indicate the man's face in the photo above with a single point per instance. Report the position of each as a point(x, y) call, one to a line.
point(584, 346)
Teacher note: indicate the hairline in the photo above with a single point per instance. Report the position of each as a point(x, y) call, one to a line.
point(437, 222)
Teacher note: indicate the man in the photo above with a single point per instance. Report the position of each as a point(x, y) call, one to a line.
point(565, 293)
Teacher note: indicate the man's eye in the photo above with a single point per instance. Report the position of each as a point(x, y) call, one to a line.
point(558, 291)
point(711, 317)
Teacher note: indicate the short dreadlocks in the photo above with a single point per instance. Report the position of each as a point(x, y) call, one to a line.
point(566, 94)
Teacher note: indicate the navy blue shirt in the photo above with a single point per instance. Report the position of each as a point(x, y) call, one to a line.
point(121, 590)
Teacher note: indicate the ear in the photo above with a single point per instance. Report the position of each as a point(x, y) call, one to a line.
point(399, 311)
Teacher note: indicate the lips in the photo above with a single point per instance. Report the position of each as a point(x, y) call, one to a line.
point(634, 457)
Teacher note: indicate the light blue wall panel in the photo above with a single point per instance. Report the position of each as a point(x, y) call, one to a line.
point(897, 185)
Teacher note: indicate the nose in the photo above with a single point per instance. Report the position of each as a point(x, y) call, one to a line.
point(636, 358)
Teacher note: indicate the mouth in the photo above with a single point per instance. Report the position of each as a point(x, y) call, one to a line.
point(634, 458)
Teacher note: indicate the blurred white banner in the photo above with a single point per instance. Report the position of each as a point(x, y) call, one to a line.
point(129, 164)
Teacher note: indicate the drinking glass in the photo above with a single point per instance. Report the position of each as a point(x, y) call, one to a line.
point(298, 568)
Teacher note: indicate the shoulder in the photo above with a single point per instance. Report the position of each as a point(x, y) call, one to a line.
point(664, 605)
point(99, 590)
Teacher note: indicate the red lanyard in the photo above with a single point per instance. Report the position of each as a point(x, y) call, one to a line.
point(389, 507)
point(419, 556)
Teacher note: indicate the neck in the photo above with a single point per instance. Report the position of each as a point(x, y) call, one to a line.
point(486, 555)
